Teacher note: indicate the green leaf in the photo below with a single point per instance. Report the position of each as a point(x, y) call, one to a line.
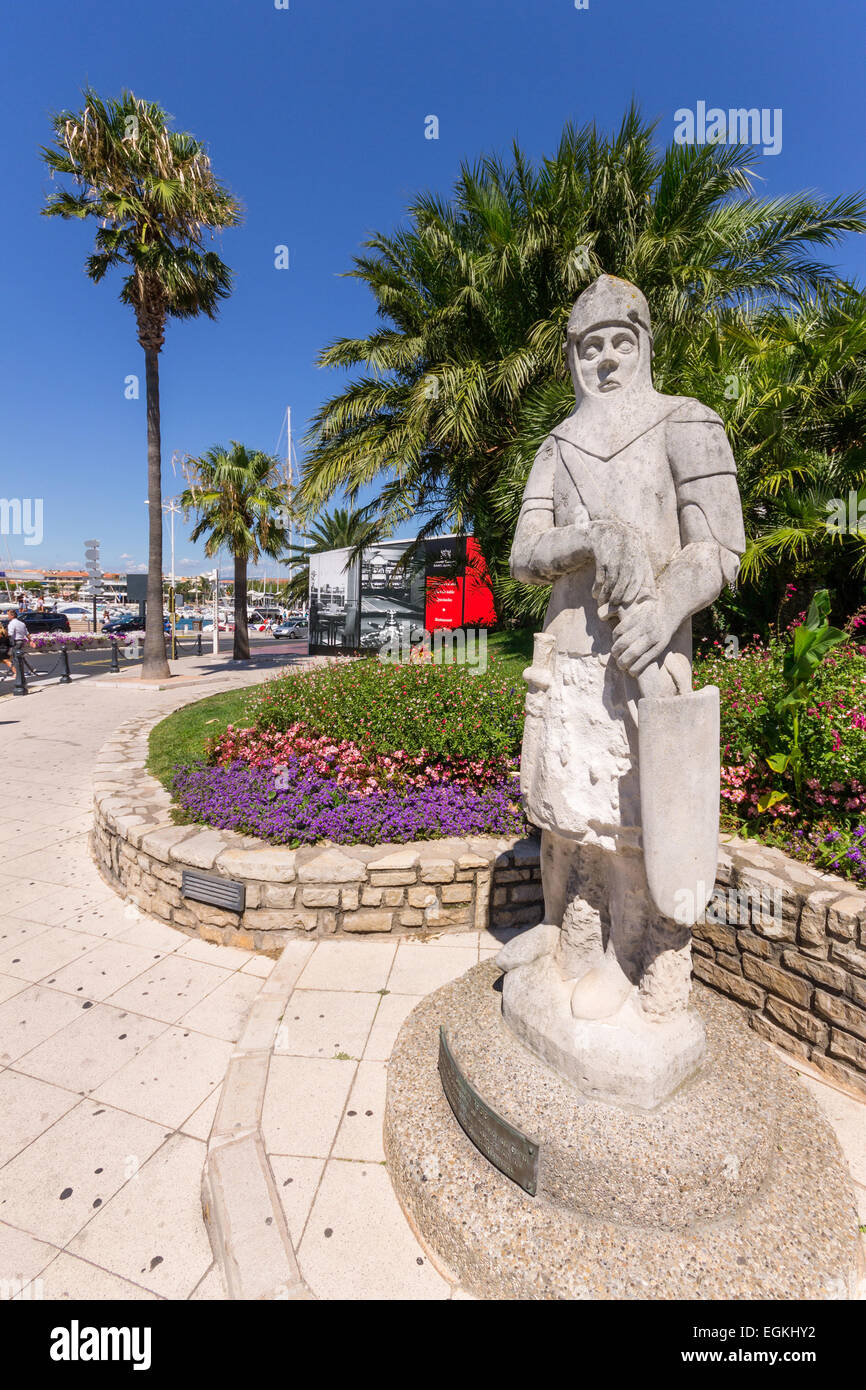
point(769, 799)
point(779, 761)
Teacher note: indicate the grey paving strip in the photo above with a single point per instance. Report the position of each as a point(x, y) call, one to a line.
point(242, 1209)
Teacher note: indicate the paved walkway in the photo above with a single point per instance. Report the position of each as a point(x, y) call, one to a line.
point(115, 1033)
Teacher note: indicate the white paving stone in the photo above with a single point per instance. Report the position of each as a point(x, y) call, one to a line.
point(303, 1105)
point(358, 1244)
point(51, 1188)
point(349, 965)
point(326, 1023)
point(169, 1079)
point(151, 1232)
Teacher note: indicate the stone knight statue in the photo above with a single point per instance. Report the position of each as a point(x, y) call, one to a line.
point(632, 513)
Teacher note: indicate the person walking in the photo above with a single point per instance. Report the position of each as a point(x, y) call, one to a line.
point(19, 637)
point(5, 658)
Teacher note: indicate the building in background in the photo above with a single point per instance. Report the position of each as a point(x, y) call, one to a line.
point(357, 606)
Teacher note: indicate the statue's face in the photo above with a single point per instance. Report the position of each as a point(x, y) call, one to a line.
point(607, 358)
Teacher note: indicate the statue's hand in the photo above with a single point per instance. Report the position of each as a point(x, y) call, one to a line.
point(643, 632)
point(622, 568)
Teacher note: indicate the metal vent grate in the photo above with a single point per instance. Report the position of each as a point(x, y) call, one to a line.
point(210, 888)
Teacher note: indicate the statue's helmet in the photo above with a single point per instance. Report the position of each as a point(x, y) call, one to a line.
point(609, 300)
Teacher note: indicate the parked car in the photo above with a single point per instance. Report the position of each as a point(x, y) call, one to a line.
point(34, 621)
point(130, 623)
point(295, 628)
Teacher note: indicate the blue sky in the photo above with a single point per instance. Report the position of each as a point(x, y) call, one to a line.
point(314, 117)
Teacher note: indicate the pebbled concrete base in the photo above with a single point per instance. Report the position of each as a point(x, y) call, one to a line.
point(694, 1201)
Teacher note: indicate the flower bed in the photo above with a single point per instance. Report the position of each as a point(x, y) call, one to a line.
point(73, 641)
point(368, 752)
point(824, 822)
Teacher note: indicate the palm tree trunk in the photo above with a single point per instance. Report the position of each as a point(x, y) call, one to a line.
point(242, 637)
point(155, 666)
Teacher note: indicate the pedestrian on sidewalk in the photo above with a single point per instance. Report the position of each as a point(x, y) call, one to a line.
point(19, 637)
point(5, 658)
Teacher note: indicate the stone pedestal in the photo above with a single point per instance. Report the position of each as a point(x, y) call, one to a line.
point(625, 1060)
point(732, 1188)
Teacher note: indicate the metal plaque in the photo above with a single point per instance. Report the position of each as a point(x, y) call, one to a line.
point(218, 892)
point(502, 1145)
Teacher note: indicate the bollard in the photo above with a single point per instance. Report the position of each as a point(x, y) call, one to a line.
point(20, 686)
point(198, 644)
point(115, 664)
point(66, 678)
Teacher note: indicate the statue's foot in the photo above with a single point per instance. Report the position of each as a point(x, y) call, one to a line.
point(528, 946)
point(601, 992)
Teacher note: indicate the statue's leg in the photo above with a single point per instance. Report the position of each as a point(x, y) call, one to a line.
point(556, 856)
point(604, 988)
point(667, 970)
point(581, 941)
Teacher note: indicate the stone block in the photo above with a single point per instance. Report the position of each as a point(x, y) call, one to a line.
point(321, 897)
point(790, 987)
point(393, 897)
point(723, 938)
point(159, 842)
point(422, 897)
point(349, 898)
point(734, 985)
point(367, 920)
point(848, 1016)
point(527, 893)
point(213, 916)
point(268, 920)
point(844, 916)
point(818, 970)
point(765, 1029)
point(411, 917)
point(849, 956)
point(199, 851)
point(798, 1021)
point(390, 877)
point(843, 1076)
point(755, 945)
point(437, 871)
point(371, 897)
point(394, 859)
point(849, 1049)
point(271, 863)
point(857, 990)
point(472, 861)
point(456, 893)
point(332, 867)
point(274, 894)
point(812, 927)
point(437, 916)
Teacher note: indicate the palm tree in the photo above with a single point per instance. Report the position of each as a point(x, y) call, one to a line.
point(465, 373)
point(345, 528)
point(154, 195)
point(239, 497)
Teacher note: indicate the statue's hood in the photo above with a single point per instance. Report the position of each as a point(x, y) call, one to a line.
point(603, 425)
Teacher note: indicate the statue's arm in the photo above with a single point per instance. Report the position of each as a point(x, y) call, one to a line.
point(542, 551)
point(711, 535)
point(711, 518)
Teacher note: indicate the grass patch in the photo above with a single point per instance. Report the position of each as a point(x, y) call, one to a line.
point(182, 736)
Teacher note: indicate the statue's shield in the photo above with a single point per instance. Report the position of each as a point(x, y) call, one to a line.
point(679, 793)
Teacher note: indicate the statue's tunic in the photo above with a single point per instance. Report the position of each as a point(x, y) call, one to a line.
point(579, 770)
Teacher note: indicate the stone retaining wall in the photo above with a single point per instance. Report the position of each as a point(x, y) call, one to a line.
point(789, 944)
point(786, 942)
point(432, 886)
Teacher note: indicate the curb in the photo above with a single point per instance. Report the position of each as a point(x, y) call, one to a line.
point(240, 1202)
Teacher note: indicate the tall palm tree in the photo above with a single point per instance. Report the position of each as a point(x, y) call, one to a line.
point(465, 373)
point(239, 497)
point(155, 197)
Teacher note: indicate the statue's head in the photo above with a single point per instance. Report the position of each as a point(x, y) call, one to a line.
point(609, 340)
